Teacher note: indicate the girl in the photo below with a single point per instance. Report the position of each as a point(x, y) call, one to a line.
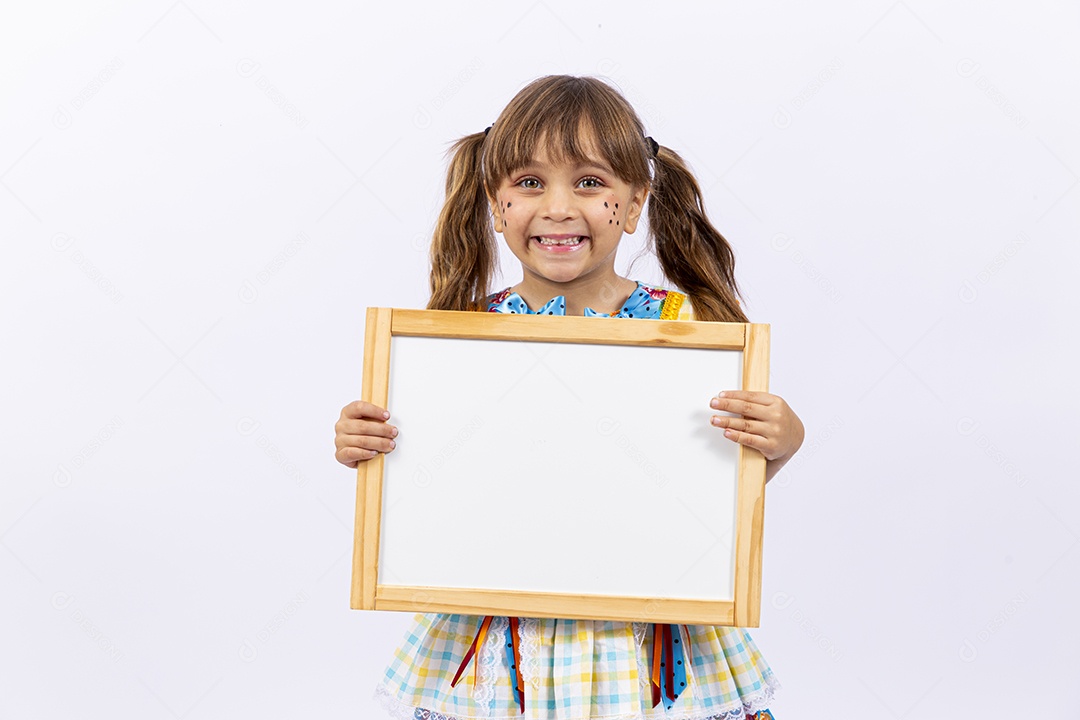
point(563, 172)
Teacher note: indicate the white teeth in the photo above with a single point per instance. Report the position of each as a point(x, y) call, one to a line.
point(568, 241)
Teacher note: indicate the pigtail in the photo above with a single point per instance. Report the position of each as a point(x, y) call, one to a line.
point(463, 249)
point(693, 254)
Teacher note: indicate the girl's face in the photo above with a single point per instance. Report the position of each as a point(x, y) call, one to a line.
point(564, 222)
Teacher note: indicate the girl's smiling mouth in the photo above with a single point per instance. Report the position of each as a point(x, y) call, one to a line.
point(560, 243)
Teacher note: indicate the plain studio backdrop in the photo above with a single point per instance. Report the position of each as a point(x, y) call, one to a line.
point(199, 200)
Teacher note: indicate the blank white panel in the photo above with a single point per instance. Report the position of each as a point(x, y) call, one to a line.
point(559, 467)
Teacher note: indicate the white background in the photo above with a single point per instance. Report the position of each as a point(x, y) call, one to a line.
point(198, 200)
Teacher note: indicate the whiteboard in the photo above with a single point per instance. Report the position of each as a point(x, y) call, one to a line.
point(549, 466)
point(571, 445)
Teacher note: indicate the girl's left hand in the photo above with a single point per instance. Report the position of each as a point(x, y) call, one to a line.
point(767, 423)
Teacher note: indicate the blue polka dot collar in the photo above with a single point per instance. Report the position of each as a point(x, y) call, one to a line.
point(644, 302)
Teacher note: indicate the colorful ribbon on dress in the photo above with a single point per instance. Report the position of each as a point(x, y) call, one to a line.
point(513, 658)
point(668, 663)
point(477, 640)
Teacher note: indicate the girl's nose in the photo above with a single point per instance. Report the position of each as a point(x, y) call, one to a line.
point(559, 204)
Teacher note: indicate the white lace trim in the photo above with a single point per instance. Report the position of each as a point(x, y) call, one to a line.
point(640, 630)
point(403, 711)
point(530, 650)
point(761, 700)
point(490, 657)
point(397, 709)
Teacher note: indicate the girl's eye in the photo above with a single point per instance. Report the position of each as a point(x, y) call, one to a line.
point(530, 184)
point(591, 182)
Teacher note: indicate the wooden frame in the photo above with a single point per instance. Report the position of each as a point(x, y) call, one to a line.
point(751, 341)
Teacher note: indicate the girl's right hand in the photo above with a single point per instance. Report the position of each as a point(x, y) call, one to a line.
point(362, 432)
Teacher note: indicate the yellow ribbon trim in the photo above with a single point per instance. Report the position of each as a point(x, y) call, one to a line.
point(672, 303)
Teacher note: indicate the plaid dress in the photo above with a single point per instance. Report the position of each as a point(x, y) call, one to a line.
point(556, 669)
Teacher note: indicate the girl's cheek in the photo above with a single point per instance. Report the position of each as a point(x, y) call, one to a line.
point(614, 211)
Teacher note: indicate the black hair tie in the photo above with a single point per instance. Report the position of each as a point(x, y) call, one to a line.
point(487, 130)
point(654, 147)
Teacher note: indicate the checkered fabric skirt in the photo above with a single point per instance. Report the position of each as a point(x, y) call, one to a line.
point(570, 670)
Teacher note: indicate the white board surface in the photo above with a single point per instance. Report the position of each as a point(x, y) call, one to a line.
point(559, 467)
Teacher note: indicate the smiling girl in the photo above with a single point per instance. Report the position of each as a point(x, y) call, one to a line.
point(563, 172)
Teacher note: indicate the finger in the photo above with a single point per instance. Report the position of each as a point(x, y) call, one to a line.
point(364, 442)
point(739, 424)
point(365, 427)
point(353, 456)
point(749, 440)
point(753, 396)
point(342, 457)
point(741, 404)
point(362, 408)
point(382, 444)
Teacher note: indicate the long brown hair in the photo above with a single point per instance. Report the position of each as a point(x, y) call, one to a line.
point(571, 117)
